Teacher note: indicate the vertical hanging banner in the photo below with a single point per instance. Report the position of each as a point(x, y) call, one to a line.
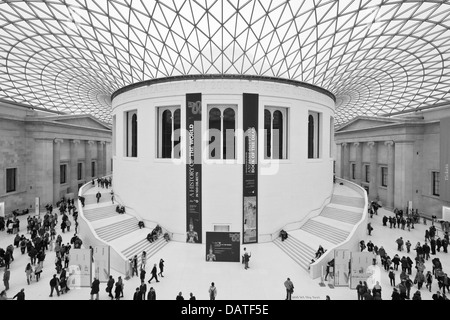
point(194, 168)
point(444, 183)
point(250, 172)
point(80, 268)
point(360, 271)
point(101, 263)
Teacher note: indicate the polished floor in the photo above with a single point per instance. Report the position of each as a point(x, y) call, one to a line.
point(187, 271)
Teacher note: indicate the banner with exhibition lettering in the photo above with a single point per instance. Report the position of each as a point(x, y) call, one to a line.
point(341, 267)
point(444, 183)
point(194, 168)
point(250, 170)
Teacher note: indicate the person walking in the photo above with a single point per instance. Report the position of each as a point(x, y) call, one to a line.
point(117, 290)
point(6, 276)
point(109, 286)
point(429, 278)
point(95, 289)
point(121, 285)
point(20, 295)
point(392, 277)
point(161, 267)
point(142, 274)
point(54, 285)
point(246, 258)
point(112, 196)
point(289, 288)
point(151, 294)
point(29, 272)
point(154, 274)
point(212, 291)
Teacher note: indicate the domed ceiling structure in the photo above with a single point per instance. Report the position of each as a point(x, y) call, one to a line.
point(378, 58)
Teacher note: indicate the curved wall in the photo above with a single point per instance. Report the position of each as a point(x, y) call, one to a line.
point(287, 189)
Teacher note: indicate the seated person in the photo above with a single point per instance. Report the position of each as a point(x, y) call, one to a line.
point(319, 252)
point(150, 237)
point(141, 224)
point(283, 235)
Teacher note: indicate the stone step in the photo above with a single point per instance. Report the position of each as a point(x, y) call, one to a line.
point(341, 215)
point(348, 201)
point(118, 229)
point(329, 233)
point(298, 252)
point(100, 213)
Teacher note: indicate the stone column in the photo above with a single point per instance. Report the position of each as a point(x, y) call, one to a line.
point(391, 171)
point(105, 159)
point(100, 159)
point(373, 183)
point(346, 164)
point(88, 160)
point(73, 182)
point(56, 169)
point(358, 167)
point(404, 173)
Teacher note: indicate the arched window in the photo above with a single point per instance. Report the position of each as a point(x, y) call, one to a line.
point(311, 137)
point(314, 137)
point(275, 127)
point(222, 132)
point(131, 148)
point(169, 135)
point(134, 147)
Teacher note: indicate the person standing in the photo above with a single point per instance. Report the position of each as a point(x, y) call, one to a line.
point(289, 288)
point(98, 196)
point(54, 285)
point(117, 290)
point(192, 297)
point(429, 278)
point(212, 291)
point(246, 258)
point(112, 196)
point(134, 266)
point(179, 296)
point(161, 267)
point(6, 276)
point(95, 288)
point(143, 289)
point(137, 294)
point(143, 259)
point(154, 274)
point(151, 294)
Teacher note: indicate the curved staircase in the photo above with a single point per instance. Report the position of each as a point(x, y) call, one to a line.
point(120, 231)
point(331, 227)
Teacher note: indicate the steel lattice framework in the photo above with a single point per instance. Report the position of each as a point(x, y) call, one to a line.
point(378, 57)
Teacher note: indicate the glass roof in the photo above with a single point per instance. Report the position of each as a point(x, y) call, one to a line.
point(378, 57)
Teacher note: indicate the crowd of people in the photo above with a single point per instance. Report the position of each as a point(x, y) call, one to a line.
point(406, 274)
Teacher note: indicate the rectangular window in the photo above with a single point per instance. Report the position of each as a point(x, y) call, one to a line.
point(275, 133)
point(11, 179)
point(93, 168)
point(367, 173)
point(435, 183)
point(314, 135)
point(384, 176)
point(63, 173)
point(169, 132)
point(80, 171)
point(131, 134)
point(222, 124)
point(353, 171)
